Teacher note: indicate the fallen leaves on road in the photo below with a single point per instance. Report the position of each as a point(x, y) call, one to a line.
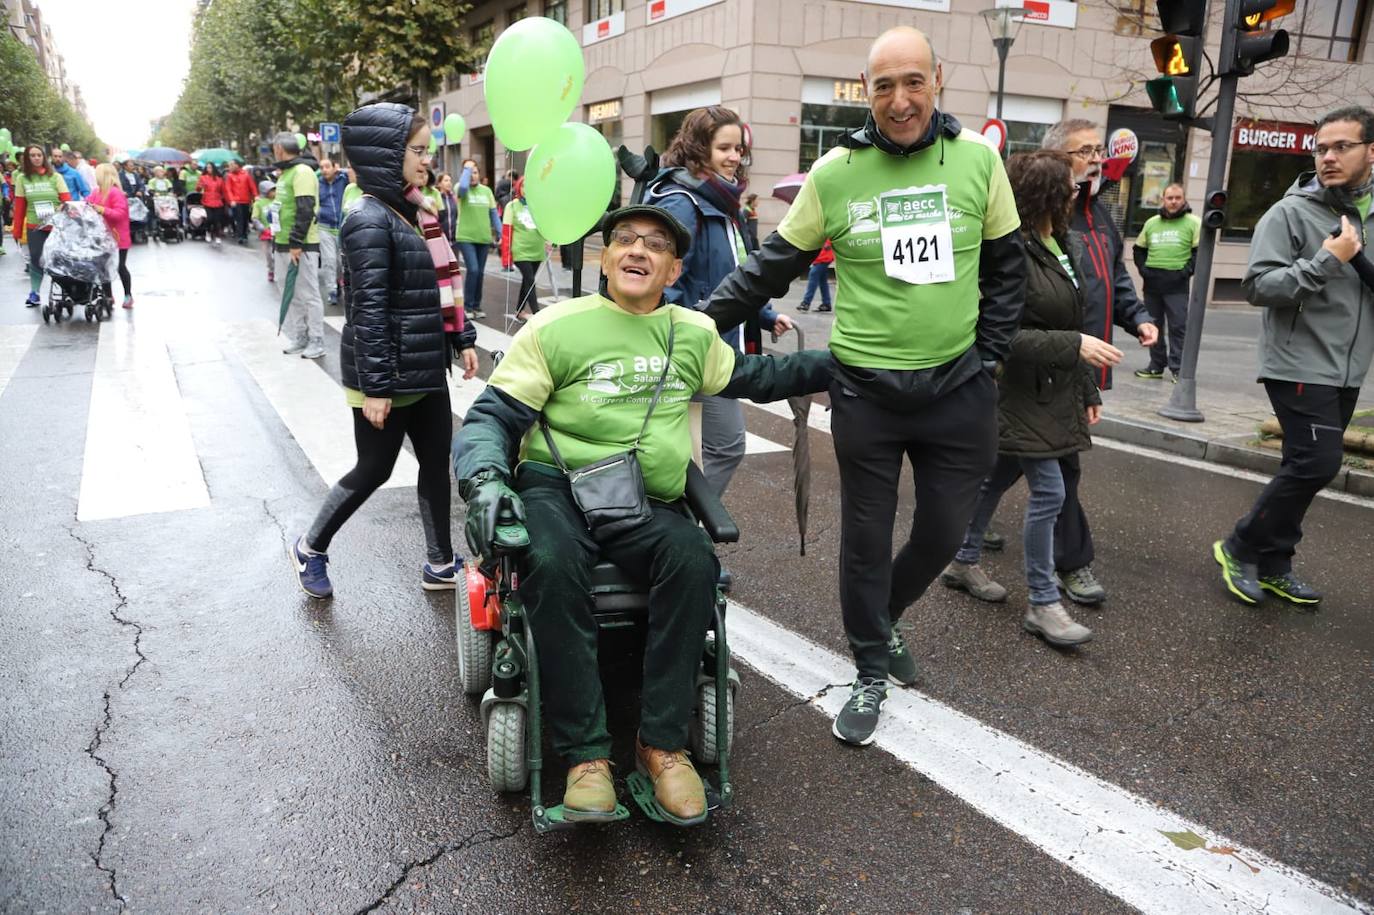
point(1189, 840)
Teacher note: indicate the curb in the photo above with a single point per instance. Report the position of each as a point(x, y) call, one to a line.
point(1147, 435)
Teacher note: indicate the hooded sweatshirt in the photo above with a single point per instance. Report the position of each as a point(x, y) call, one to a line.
point(298, 190)
point(1319, 316)
point(1165, 251)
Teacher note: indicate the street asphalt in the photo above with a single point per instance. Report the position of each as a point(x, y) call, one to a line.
point(185, 731)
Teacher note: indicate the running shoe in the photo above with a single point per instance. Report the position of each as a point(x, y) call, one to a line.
point(1242, 578)
point(32, 301)
point(901, 666)
point(128, 301)
point(310, 570)
point(1152, 373)
point(1291, 588)
point(858, 720)
point(440, 578)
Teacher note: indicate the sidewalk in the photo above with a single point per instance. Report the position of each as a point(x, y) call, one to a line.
point(1233, 404)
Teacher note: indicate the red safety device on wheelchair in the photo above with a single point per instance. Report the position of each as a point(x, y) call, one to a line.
point(483, 604)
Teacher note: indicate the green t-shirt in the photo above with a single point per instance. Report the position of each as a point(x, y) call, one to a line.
point(159, 187)
point(883, 322)
point(352, 194)
point(354, 398)
point(297, 181)
point(262, 211)
point(474, 219)
point(1362, 204)
point(1170, 241)
point(191, 178)
point(1058, 252)
point(526, 244)
point(432, 194)
point(43, 193)
point(591, 367)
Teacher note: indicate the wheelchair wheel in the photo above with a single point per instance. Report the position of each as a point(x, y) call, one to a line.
point(474, 645)
point(507, 767)
point(701, 733)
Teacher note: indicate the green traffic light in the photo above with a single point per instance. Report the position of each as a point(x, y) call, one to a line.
point(1163, 92)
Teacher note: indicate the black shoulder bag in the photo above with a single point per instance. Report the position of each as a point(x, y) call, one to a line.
point(610, 492)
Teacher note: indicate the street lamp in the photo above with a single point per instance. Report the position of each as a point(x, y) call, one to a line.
point(1003, 22)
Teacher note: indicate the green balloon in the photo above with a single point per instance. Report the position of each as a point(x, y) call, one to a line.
point(65, 148)
point(569, 180)
point(454, 128)
point(533, 81)
point(6, 138)
point(300, 141)
point(433, 144)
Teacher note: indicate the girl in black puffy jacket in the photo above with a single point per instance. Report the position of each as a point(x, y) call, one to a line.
point(394, 355)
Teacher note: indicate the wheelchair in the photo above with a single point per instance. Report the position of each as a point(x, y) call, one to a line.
point(499, 661)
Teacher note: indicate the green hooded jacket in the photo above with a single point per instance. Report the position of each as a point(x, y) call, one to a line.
point(1319, 316)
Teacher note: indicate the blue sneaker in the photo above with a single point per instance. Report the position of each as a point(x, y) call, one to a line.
point(310, 570)
point(32, 301)
point(440, 579)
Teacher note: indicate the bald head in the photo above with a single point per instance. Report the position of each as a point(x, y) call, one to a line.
point(904, 41)
point(902, 79)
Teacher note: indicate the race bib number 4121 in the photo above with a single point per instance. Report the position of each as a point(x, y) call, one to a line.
point(917, 244)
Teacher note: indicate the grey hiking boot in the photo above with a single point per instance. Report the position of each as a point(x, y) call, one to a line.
point(1082, 586)
point(1053, 624)
point(901, 666)
point(974, 580)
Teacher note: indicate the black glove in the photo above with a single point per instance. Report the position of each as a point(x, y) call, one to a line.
point(490, 501)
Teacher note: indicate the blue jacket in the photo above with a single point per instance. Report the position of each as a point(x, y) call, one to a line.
point(330, 214)
point(75, 183)
point(713, 255)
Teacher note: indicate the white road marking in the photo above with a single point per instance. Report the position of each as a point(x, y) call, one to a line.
point(309, 402)
point(1107, 834)
point(140, 457)
point(464, 394)
point(14, 343)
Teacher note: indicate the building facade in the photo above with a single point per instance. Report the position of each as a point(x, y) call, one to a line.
point(791, 69)
point(25, 22)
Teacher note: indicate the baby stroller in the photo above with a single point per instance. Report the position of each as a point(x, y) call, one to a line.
point(77, 256)
point(138, 220)
point(197, 217)
point(168, 218)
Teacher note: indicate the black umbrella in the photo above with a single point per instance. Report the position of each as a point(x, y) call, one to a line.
point(801, 453)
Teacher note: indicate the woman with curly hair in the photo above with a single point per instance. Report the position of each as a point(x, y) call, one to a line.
point(1047, 396)
point(703, 177)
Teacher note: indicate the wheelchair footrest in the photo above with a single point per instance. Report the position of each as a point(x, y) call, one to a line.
point(548, 819)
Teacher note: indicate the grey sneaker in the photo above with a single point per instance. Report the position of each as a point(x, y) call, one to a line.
point(1053, 624)
point(293, 349)
point(901, 666)
point(857, 721)
point(1082, 586)
point(313, 352)
point(974, 580)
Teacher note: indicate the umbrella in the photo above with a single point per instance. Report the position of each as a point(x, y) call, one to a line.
point(801, 454)
point(217, 155)
point(163, 155)
point(787, 188)
point(288, 291)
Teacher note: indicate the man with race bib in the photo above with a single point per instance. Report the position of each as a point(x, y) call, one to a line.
point(931, 271)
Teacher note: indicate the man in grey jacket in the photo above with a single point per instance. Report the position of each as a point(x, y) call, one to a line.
point(1315, 350)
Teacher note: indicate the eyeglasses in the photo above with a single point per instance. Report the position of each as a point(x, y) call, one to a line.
point(1087, 152)
point(655, 243)
point(418, 150)
point(1339, 149)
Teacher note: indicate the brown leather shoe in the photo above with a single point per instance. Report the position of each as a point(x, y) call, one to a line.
point(590, 792)
point(677, 787)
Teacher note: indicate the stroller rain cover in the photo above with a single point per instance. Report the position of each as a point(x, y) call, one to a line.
point(80, 246)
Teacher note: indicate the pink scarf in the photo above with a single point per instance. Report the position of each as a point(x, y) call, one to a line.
point(445, 265)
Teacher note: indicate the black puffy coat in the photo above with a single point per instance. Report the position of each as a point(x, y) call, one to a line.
point(1045, 388)
point(393, 339)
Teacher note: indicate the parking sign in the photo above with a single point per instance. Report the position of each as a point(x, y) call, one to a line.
point(330, 132)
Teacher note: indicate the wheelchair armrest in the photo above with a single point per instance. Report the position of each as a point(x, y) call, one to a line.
point(707, 507)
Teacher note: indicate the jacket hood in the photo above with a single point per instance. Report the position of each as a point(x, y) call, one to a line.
point(1337, 198)
point(302, 159)
point(374, 137)
point(941, 125)
point(1165, 214)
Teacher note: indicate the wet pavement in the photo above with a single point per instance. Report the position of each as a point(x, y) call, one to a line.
point(186, 731)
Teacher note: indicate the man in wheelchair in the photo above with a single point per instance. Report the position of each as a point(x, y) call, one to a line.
point(586, 383)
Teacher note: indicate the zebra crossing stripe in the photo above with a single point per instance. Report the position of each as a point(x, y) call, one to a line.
point(14, 342)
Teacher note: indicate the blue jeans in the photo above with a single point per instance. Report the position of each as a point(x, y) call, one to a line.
point(818, 278)
point(1046, 483)
point(474, 263)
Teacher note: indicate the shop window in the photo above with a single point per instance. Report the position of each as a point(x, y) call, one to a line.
point(822, 126)
point(1328, 29)
point(1024, 137)
point(1159, 163)
point(663, 127)
point(557, 10)
point(600, 9)
point(1257, 181)
point(482, 36)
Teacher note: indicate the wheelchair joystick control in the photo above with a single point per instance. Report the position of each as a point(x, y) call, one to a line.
point(511, 535)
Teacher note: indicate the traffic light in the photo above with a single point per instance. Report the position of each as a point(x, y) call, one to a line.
point(1254, 45)
point(1214, 213)
point(1178, 55)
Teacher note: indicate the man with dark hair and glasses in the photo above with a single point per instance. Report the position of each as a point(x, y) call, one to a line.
point(1315, 351)
point(589, 368)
